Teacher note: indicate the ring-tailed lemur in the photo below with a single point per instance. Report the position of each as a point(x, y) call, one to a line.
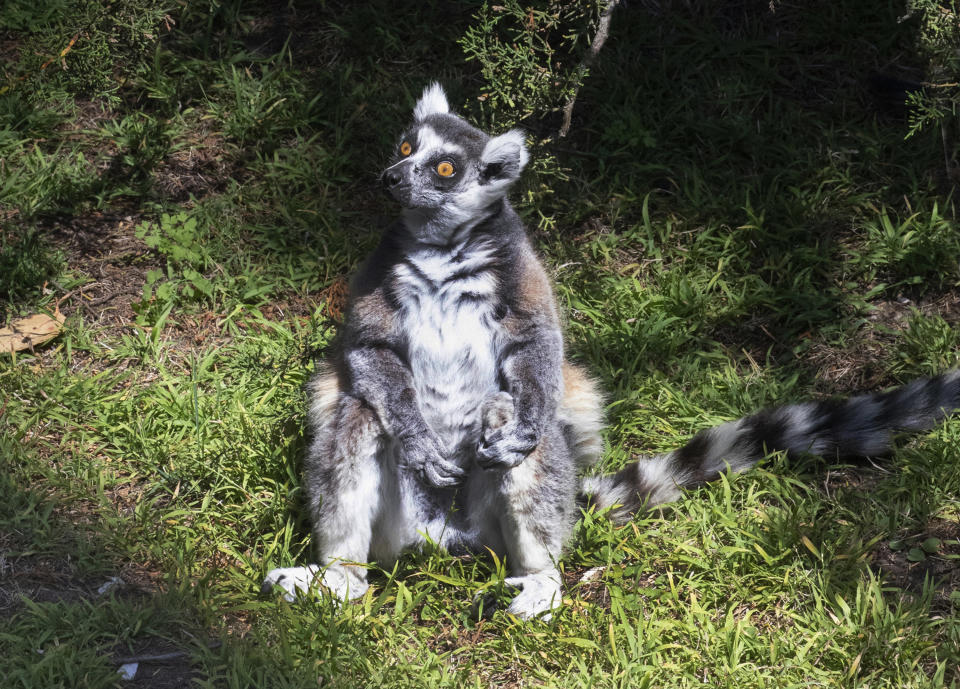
point(449, 413)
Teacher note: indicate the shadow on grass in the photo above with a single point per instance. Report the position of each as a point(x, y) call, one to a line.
point(762, 122)
point(754, 120)
point(73, 606)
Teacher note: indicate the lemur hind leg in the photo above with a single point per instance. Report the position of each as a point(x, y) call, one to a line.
point(342, 475)
point(537, 516)
point(531, 507)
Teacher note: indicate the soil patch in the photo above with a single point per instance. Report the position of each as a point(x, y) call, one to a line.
point(940, 568)
point(863, 363)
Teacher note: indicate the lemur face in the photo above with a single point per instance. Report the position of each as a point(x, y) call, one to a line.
point(444, 163)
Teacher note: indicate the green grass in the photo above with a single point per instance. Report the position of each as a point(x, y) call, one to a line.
point(731, 224)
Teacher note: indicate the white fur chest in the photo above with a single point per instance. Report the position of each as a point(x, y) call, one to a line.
point(453, 337)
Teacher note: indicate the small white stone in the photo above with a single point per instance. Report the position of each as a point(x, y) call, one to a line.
point(109, 585)
point(591, 574)
point(128, 671)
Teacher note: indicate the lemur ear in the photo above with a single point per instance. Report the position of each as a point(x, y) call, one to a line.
point(432, 102)
point(504, 156)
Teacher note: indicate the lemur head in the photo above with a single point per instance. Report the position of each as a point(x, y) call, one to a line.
point(447, 172)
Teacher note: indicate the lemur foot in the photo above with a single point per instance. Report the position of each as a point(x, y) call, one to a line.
point(540, 593)
point(497, 411)
point(338, 579)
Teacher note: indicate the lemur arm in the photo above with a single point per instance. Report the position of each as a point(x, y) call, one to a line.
point(532, 373)
point(530, 368)
point(379, 376)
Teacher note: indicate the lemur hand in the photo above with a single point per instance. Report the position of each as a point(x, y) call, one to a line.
point(423, 453)
point(506, 447)
point(505, 441)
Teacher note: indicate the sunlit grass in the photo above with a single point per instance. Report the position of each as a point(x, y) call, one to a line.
point(729, 226)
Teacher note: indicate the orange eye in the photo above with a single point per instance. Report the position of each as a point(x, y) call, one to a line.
point(405, 148)
point(445, 169)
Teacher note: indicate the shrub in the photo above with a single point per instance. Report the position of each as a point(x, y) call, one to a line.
point(529, 56)
point(86, 47)
point(938, 37)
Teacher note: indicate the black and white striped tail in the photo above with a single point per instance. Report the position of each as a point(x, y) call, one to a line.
point(861, 426)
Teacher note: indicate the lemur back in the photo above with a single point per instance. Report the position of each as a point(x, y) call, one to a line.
point(449, 413)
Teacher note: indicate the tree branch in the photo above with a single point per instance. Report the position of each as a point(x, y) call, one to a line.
point(599, 38)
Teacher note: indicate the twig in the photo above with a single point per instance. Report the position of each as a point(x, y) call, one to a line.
point(599, 38)
point(47, 63)
point(948, 168)
point(161, 657)
point(582, 154)
point(106, 297)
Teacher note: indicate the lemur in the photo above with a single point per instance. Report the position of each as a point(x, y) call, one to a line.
point(449, 414)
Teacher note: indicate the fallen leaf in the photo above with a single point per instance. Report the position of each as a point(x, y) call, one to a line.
point(916, 555)
point(29, 332)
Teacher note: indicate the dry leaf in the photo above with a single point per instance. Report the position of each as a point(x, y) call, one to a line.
point(29, 332)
